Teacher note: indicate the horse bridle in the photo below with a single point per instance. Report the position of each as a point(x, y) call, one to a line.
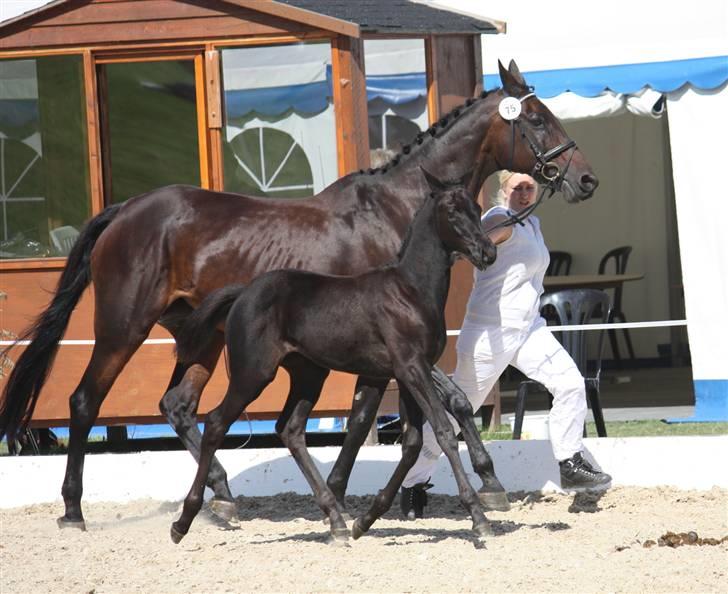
point(545, 170)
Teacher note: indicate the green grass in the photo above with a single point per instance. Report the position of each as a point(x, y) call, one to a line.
point(614, 429)
point(633, 429)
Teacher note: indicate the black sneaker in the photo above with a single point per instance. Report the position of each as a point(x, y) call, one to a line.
point(413, 500)
point(577, 472)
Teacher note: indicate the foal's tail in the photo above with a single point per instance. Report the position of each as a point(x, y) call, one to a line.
point(199, 329)
point(31, 371)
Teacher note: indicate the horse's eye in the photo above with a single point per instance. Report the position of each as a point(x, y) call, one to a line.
point(535, 119)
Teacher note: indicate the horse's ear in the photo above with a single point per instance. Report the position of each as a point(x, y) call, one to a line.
point(512, 79)
point(435, 184)
point(513, 69)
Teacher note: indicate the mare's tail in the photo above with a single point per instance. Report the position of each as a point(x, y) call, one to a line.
point(31, 371)
point(198, 331)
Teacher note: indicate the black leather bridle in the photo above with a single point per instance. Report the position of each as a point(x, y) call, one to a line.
point(545, 171)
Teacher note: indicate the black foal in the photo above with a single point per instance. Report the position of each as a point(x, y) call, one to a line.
point(385, 323)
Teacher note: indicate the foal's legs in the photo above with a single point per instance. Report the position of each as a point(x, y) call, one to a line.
point(307, 379)
point(492, 494)
point(367, 397)
point(411, 416)
point(415, 375)
point(246, 384)
point(366, 402)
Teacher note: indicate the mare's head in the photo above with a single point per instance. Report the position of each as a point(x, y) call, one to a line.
point(458, 221)
point(526, 137)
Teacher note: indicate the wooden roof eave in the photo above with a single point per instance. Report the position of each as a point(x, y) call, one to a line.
point(270, 7)
point(301, 15)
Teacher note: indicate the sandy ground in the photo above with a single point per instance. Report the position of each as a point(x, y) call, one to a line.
point(546, 543)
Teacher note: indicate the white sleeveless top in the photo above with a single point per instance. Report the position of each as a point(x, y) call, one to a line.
point(506, 294)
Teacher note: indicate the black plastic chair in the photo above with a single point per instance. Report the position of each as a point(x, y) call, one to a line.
point(559, 263)
point(572, 307)
point(617, 256)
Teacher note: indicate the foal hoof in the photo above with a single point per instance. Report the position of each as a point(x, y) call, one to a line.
point(64, 523)
point(175, 534)
point(494, 500)
point(480, 531)
point(357, 530)
point(479, 542)
point(225, 510)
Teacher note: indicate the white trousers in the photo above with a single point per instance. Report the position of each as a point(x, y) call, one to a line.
point(483, 355)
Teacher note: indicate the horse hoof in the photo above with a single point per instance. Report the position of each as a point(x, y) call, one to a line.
point(339, 538)
point(225, 510)
point(494, 500)
point(357, 530)
point(479, 542)
point(176, 535)
point(64, 523)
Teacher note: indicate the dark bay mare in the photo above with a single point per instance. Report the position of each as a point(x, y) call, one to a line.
point(388, 322)
point(155, 258)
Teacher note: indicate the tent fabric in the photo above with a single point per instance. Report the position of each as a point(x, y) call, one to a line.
point(664, 77)
point(314, 97)
point(625, 79)
point(697, 129)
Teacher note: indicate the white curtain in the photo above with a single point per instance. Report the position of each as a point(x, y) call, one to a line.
point(698, 133)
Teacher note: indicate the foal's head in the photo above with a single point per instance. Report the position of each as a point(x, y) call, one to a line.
point(458, 221)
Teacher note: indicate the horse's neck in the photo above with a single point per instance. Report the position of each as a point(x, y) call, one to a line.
point(456, 150)
point(451, 154)
point(423, 261)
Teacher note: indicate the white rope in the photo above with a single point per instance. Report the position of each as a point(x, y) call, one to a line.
point(619, 326)
point(84, 342)
point(154, 341)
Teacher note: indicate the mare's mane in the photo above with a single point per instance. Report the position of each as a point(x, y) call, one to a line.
point(432, 132)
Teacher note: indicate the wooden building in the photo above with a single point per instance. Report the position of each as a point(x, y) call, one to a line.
point(101, 100)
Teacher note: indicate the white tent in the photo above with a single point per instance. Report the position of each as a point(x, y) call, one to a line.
point(615, 56)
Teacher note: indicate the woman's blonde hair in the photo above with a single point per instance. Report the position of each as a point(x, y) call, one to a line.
point(500, 198)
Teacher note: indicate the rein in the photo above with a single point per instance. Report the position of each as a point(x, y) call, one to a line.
point(521, 215)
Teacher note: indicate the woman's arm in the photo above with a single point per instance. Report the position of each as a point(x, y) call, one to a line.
point(501, 234)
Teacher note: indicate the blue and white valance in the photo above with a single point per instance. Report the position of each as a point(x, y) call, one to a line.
point(398, 89)
point(664, 77)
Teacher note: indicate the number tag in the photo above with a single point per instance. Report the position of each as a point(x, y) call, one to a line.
point(509, 108)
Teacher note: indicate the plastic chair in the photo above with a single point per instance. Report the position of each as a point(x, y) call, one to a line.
point(62, 239)
point(559, 263)
point(619, 256)
point(573, 307)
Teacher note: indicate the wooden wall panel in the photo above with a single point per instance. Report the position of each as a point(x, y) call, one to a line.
point(136, 393)
point(350, 104)
point(454, 73)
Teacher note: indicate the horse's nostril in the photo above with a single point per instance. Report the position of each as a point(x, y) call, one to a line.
point(588, 182)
